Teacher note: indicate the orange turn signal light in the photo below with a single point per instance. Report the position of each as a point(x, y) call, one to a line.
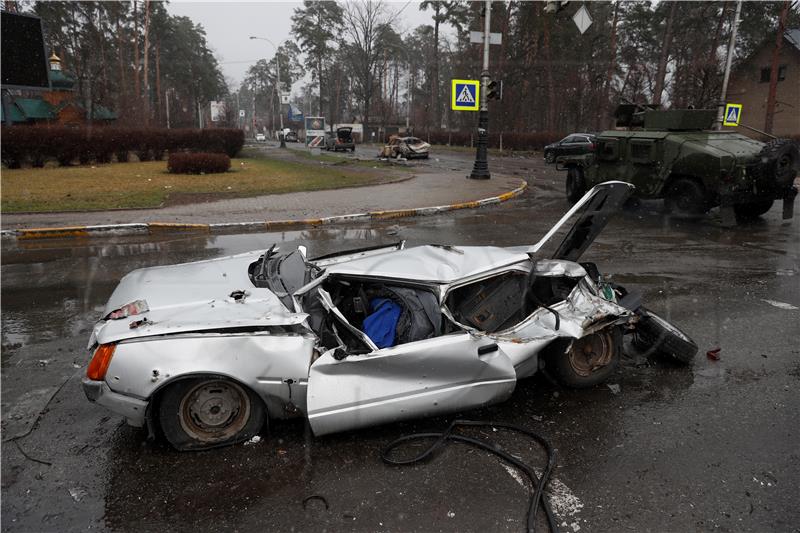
point(100, 361)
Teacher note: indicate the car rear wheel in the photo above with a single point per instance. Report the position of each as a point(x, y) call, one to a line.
point(589, 360)
point(685, 197)
point(752, 210)
point(576, 184)
point(656, 336)
point(196, 414)
point(549, 157)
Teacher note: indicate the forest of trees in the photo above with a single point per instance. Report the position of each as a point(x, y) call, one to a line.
point(132, 56)
point(555, 79)
point(348, 62)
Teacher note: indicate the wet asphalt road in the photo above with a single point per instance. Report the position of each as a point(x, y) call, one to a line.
point(713, 446)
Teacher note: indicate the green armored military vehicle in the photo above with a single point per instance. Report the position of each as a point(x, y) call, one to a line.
point(674, 155)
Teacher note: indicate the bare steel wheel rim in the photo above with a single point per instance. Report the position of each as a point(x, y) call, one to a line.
point(214, 410)
point(591, 353)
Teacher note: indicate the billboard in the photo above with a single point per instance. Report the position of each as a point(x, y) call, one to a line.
point(23, 55)
point(315, 132)
point(217, 111)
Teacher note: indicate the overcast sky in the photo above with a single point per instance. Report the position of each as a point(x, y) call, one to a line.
point(228, 26)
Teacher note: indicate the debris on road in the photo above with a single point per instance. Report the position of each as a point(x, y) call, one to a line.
point(780, 305)
point(713, 354)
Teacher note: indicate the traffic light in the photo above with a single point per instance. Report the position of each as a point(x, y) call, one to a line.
point(494, 90)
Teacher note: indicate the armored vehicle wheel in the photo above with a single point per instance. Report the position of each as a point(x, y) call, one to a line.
point(752, 210)
point(589, 360)
point(685, 197)
point(656, 335)
point(576, 184)
point(196, 414)
point(786, 155)
point(549, 157)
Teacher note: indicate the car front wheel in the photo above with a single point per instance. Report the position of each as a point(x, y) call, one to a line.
point(752, 209)
point(589, 360)
point(196, 414)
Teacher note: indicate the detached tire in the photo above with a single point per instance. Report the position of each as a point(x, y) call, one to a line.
point(589, 360)
point(685, 197)
point(196, 414)
point(576, 184)
point(657, 336)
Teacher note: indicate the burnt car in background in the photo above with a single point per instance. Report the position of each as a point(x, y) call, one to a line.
point(574, 144)
point(206, 353)
point(290, 137)
point(407, 147)
point(342, 140)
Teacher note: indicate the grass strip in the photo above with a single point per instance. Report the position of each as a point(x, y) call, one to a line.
point(148, 184)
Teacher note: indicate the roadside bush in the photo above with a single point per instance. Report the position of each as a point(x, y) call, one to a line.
point(35, 144)
point(197, 163)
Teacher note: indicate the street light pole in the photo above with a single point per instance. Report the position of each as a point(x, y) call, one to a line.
point(480, 170)
point(280, 99)
point(724, 94)
point(280, 93)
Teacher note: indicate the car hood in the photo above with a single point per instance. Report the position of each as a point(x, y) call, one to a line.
point(586, 220)
point(192, 297)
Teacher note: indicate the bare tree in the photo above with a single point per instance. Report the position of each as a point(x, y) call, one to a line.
point(363, 27)
point(666, 42)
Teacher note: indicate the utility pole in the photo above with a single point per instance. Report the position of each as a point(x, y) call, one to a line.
point(723, 96)
point(280, 93)
point(480, 170)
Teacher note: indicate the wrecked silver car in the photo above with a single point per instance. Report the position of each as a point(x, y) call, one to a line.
point(206, 353)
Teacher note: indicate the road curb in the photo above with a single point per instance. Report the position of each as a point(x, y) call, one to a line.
point(154, 228)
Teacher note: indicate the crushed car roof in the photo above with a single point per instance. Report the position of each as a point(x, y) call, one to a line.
point(440, 264)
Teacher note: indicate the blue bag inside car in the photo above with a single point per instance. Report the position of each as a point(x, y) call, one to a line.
point(381, 324)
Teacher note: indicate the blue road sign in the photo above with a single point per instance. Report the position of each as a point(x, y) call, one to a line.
point(465, 95)
point(733, 114)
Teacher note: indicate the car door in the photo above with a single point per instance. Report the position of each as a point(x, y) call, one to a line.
point(443, 374)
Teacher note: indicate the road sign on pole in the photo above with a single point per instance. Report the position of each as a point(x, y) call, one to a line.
point(733, 114)
point(465, 95)
point(582, 19)
point(476, 37)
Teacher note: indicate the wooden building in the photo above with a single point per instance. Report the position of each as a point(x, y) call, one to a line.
point(749, 85)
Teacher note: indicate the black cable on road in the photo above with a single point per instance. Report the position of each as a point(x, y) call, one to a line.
point(538, 483)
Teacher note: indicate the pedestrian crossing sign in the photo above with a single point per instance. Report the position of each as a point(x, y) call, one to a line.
point(465, 95)
point(733, 114)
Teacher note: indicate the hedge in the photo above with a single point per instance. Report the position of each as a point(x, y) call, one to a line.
point(36, 144)
point(197, 163)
